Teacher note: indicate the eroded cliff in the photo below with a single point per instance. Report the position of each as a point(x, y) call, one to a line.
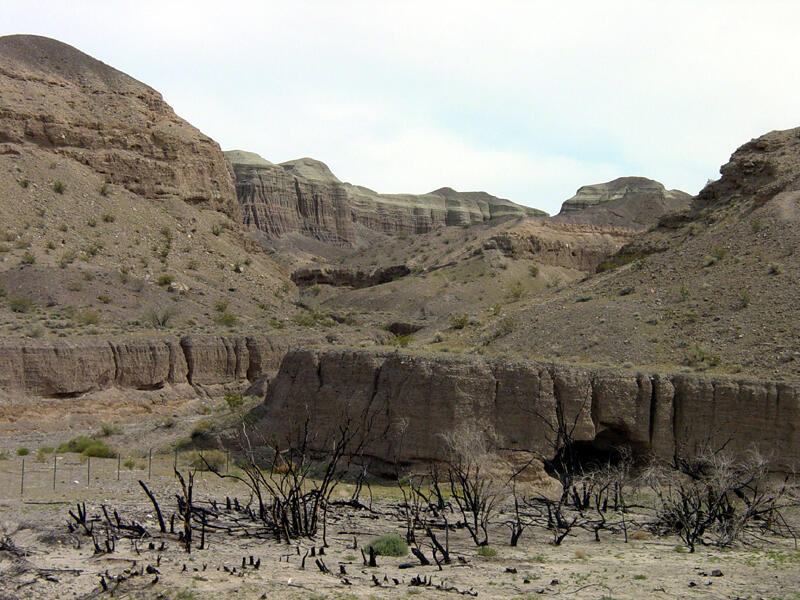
point(303, 196)
point(414, 399)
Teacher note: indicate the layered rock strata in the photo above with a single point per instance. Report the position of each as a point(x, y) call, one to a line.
point(627, 202)
point(346, 277)
point(60, 100)
point(412, 400)
point(573, 246)
point(71, 368)
point(303, 196)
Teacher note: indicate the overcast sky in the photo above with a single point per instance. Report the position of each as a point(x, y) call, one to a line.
point(526, 100)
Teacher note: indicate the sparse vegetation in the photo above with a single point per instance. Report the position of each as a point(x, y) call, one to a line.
point(458, 322)
point(388, 545)
point(58, 187)
point(87, 447)
point(20, 304)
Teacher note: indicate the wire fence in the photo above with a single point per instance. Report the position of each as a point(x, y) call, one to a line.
point(37, 476)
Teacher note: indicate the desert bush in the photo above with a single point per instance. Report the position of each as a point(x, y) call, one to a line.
point(92, 222)
point(234, 401)
point(226, 318)
point(388, 545)
point(158, 318)
point(515, 291)
point(403, 341)
point(87, 316)
point(20, 304)
point(216, 229)
point(108, 218)
point(475, 492)
point(713, 498)
point(58, 187)
point(107, 429)
point(775, 269)
point(202, 428)
point(699, 358)
point(87, 447)
point(207, 460)
point(458, 322)
point(23, 451)
point(27, 259)
point(487, 552)
point(129, 463)
point(534, 271)
point(164, 279)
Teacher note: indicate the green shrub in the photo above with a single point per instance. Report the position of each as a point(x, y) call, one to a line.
point(104, 190)
point(458, 322)
point(164, 279)
point(23, 451)
point(207, 460)
point(234, 401)
point(216, 229)
point(775, 269)
point(202, 428)
point(108, 218)
point(87, 317)
point(533, 270)
point(87, 447)
point(619, 260)
point(226, 318)
point(129, 463)
point(24, 183)
point(388, 545)
point(58, 187)
point(92, 222)
point(27, 259)
point(487, 551)
point(403, 340)
point(516, 291)
point(107, 429)
point(20, 305)
point(158, 318)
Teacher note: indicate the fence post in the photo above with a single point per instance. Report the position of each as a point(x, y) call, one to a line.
point(54, 471)
point(150, 463)
point(175, 461)
point(88, 471)
point(22, 479)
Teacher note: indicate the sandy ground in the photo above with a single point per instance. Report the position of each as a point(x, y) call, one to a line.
point(52, 563)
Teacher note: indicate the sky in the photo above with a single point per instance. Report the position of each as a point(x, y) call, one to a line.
point(525, 100)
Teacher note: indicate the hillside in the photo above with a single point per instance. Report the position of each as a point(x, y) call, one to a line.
point(117, 216)
point(712, 288)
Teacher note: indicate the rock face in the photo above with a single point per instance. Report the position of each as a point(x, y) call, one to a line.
point(61, 100)
point(628, 202)
point(344, 277)
point(65, 369)
point(758, 171)
point(414, 399)
point(303, 196)
point(580, 247)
